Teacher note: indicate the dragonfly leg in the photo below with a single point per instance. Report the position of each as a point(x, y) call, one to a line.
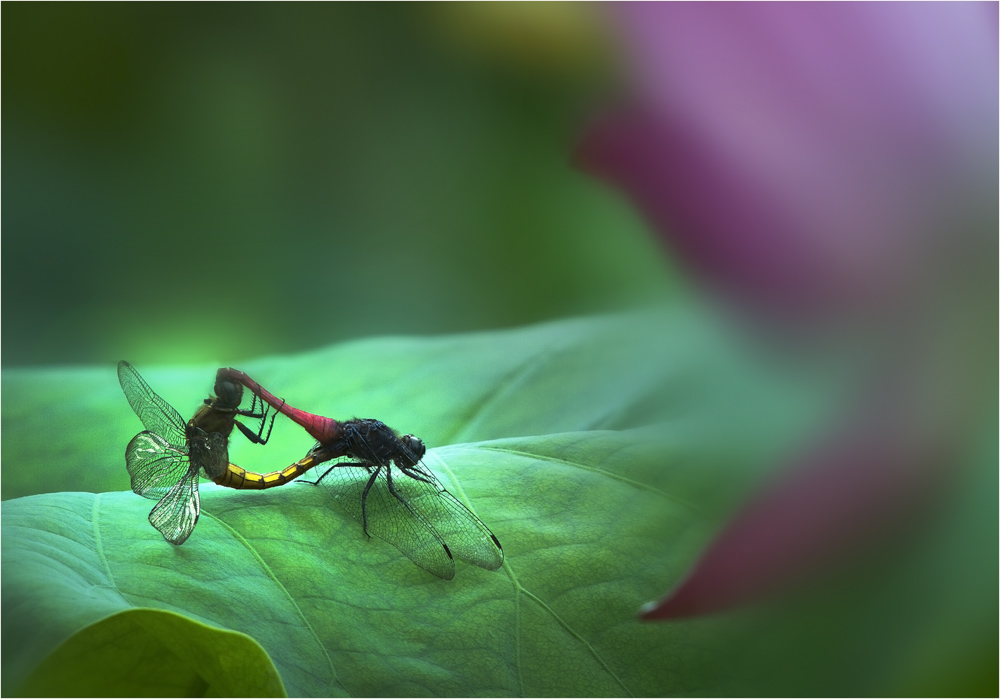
point(253, 407)
point(251, 413)
point(303, 481)
point(392, 488)
point(250, 434)
point(364, 499)
point(257, 438)
point(416, 475)
point(270, 427)
point(402, 500)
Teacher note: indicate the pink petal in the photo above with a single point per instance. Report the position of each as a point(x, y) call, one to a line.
point(804, 153)
point(818, 513)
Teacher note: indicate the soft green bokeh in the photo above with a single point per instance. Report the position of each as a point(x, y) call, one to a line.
point(209, 183)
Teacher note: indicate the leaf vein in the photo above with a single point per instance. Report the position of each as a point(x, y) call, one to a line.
point(335, 680)
point(578, 637)
point(597, 470)
point(99, 543)
point(506, 564)
point(510, 383)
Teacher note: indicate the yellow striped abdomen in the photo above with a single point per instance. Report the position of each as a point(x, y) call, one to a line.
point(241, 479)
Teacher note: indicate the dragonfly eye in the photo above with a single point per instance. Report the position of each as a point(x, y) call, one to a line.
point(229, 392)
point(415, 445)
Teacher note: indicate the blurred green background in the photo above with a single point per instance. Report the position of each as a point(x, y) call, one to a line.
point(210, 183)
point(214, 182)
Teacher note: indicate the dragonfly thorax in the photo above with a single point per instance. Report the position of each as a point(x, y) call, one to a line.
point(375, 442)
point(210, 450)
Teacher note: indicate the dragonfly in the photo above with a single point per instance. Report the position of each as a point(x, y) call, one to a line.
point(381, 481)
point(166, 460)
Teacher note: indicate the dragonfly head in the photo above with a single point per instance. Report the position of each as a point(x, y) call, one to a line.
point(230, 392)
point(415, 445)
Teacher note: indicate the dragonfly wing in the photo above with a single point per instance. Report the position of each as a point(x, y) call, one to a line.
point(176, 514)
point(466, 535)
point(389, 518)
point(156, 414)
point(155, 465)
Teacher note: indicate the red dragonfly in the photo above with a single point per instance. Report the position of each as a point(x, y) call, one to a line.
point(415, 513)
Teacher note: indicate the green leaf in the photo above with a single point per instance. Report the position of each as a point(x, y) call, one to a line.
point(148, 652)
point(590, 524)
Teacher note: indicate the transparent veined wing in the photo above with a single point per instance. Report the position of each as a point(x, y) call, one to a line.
point(176, 514)
point(466, 535)
point(390, 518)
point(155, 465)
point(156, 414)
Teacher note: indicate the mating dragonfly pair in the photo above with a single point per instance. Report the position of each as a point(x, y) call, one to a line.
point(372, 473)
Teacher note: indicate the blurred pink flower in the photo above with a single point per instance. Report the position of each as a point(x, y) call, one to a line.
point(828, 162)
point(805, 156)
